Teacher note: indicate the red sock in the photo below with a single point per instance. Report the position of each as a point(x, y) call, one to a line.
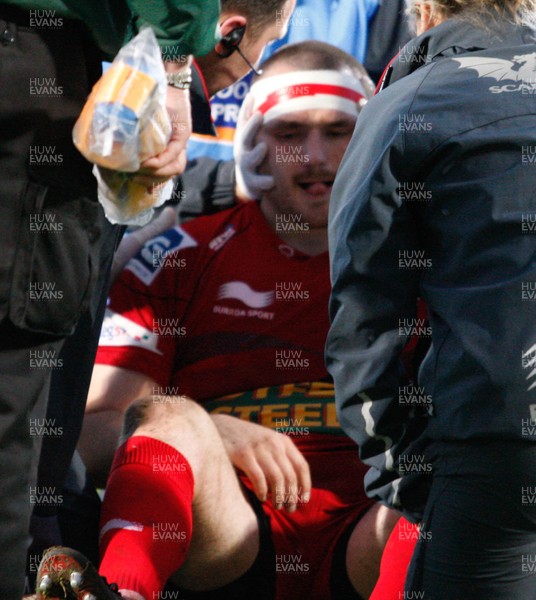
point(395, 561)
point(146, 520)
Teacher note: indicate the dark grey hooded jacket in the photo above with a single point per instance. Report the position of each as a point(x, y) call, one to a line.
point(436, 197)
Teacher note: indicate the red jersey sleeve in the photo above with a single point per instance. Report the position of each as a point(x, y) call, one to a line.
point(143, 319)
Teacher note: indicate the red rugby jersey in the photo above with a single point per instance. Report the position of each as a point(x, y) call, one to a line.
point(222, 310)
point(218, 306)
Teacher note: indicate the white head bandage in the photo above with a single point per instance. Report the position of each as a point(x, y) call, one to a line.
point(306, 90)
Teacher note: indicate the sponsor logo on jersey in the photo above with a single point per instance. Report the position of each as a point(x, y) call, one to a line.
point(150, 260)
point(241, 291)
point(219, 241)
point(521, 72)
point(120, 331)
point(296, 409)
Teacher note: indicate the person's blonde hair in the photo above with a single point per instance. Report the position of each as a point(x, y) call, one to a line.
point(522, 12)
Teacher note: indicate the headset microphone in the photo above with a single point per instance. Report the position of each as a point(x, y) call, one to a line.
point(257, 72)
point(231, 43)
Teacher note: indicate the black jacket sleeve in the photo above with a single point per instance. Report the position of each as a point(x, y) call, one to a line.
point(371, 234)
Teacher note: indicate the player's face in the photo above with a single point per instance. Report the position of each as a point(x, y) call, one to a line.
point(305, 149)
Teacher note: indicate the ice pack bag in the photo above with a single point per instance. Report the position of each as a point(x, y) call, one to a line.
point(124, 122)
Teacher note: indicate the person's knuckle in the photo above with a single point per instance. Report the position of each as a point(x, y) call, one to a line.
point(287, 443)
point(243, 452)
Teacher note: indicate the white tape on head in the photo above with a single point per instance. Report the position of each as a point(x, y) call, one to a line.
point(307, 90)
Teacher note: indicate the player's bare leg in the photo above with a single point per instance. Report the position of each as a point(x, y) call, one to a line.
point(225, 542)
point(365, 547)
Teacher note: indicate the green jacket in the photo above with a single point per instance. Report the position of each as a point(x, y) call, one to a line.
point(182, 27)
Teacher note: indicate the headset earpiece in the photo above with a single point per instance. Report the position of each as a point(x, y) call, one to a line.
point(229, 43)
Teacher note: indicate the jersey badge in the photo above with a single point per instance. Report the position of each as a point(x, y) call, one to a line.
point(149, 261)
point(219, 241)
point(120, 331)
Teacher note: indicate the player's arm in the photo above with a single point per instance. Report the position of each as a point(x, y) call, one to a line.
point(111, 391)
point(132, 357)
point(208, 185)
point(272, 462)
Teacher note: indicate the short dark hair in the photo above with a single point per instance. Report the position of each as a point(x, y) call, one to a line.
point(312, 55)
point(258, 12)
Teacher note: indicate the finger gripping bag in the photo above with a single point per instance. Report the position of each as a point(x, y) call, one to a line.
point(124, 122)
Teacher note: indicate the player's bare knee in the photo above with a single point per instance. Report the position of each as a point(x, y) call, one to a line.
point(152, 411)
point(135, 415)
point(182, 424)
point(176, 421)
point(178, 413)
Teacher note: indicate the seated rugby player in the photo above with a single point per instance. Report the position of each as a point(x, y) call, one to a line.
point(234, 479)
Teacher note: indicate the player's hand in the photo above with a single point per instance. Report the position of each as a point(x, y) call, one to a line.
point(172, 161)
point(248, 155)
point(270, 459)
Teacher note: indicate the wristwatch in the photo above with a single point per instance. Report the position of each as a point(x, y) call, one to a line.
point(181, 79)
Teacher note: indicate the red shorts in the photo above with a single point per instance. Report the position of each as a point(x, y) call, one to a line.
point(305, 541)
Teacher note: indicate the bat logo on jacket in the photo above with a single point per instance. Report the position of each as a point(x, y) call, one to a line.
point(521, 70)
